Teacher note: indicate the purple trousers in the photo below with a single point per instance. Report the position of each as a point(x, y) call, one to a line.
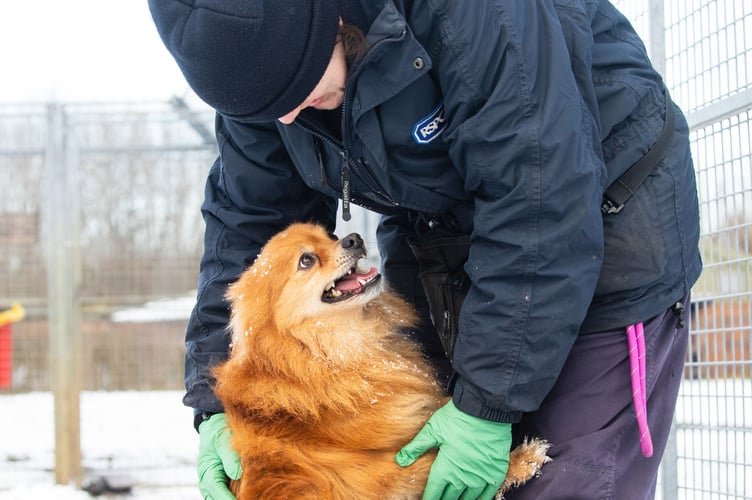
point(589, 417)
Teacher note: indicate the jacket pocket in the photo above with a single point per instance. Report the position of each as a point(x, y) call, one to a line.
point(635, 250)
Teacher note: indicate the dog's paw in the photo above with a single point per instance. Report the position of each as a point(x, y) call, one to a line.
point(525, 463)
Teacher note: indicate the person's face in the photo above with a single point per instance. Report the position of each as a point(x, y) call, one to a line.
point(329, 92)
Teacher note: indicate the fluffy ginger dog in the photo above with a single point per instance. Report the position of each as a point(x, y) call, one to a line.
point(322, 388)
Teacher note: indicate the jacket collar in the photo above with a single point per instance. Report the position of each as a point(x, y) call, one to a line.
point(390, 63)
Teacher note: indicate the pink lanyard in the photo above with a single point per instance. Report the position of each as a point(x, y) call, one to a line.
point(636, 340)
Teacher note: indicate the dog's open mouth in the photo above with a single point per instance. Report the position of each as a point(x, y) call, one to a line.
point(354, 282)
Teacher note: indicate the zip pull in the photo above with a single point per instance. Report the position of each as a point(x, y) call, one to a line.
point(446, 325)
point(678, 310)
point(320, 159)
point(345, 162)
point(345, 188)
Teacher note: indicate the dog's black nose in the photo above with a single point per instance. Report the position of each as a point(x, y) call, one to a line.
point(352, 241)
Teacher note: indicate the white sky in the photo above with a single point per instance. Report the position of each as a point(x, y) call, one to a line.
point(83, 50)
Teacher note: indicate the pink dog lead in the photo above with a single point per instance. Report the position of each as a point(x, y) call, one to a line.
point(636, 341)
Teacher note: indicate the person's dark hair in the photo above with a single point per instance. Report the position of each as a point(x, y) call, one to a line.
point(353, 41)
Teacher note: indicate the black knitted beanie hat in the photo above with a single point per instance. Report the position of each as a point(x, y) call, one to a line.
point(251, 60)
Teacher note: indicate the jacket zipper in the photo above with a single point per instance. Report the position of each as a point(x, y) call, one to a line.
point(345, 126)
point(343, 148)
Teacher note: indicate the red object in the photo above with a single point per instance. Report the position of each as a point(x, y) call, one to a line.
point(6, 356)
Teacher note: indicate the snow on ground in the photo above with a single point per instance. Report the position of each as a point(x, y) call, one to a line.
point(140, 439)
point(173, 309)
point(146, 440)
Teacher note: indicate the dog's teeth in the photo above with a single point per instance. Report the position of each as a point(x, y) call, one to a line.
point(336, 293)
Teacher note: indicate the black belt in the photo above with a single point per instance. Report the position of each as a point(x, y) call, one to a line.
point(624, 187)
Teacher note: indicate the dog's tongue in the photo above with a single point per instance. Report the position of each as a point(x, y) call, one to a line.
point(350, 282)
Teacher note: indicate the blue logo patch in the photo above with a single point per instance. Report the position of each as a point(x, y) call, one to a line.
point(430, 127)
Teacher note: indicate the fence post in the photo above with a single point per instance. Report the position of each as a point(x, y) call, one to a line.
point(63, 278)
point(669, 467)
point(657, 29)
point(657, 48)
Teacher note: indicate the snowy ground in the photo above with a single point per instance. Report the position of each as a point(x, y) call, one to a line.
point(146, 440)
point(142, 439)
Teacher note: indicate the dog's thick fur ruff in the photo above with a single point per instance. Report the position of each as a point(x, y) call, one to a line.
point(322, 388)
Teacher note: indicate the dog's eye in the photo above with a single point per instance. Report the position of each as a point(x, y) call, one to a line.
point(333, 237)
point(307, 260)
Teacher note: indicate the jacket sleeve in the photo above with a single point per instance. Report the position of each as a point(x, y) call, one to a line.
point(523, 134)
point(252, 191)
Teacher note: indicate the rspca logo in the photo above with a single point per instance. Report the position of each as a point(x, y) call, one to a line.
point(430, 127)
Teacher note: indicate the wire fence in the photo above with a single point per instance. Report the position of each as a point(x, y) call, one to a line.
point(705, 49)
point(133, 174)
point(138, 172)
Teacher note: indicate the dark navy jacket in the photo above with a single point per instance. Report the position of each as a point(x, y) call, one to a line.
point(512, 116)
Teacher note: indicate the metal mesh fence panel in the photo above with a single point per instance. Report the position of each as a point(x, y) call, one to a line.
point(140, 171)
point(23, 279)
point(716, 461)
point(707, 53)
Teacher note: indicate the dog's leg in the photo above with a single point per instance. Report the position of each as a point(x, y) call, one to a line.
point(525, 463)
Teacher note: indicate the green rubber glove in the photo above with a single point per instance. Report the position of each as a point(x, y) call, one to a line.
point(216, 460)
point(473, 454)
